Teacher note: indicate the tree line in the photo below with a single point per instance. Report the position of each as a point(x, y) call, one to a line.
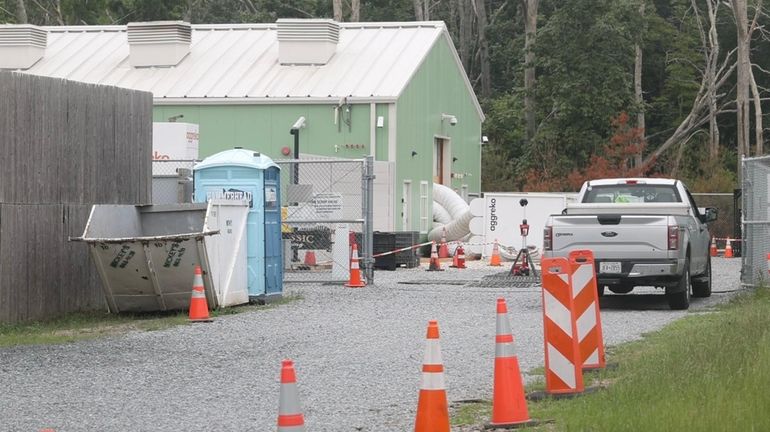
point(572, 89)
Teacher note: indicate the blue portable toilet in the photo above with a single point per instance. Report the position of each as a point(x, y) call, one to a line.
point(246, 174)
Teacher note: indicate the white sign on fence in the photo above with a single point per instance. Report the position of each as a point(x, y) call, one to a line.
point(328, 205)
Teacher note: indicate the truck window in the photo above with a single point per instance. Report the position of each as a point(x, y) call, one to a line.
point(694, 206)
point(632, 193)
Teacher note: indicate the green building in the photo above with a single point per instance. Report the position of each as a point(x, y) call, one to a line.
point(396, 91)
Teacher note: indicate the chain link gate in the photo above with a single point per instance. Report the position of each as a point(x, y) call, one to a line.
point(755, 220)
point(326, 202)
point(172, 181)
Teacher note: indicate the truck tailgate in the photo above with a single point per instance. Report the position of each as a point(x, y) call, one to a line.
point(616, 236)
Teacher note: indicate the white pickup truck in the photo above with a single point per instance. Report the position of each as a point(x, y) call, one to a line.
point(643, 232)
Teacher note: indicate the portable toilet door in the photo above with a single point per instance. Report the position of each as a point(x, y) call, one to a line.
point(239, 174)
point(273, 243)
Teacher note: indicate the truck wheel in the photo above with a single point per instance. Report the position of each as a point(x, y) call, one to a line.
point(680, 299)
point(701, 286)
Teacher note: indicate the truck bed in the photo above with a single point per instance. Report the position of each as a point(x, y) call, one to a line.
point(680, 209)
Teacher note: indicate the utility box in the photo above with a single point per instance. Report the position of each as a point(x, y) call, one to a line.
point(241, 174)
point(497, 216)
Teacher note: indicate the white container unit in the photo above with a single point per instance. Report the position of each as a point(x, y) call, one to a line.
point(497, 216)
point(174, 141)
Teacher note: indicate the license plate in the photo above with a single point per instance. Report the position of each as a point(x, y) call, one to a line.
point(609, 267)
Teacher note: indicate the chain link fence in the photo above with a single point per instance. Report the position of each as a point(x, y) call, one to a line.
point(724, 226)
point(755, 220)
point(172, 181)
point(326, 202)
point(327, 206)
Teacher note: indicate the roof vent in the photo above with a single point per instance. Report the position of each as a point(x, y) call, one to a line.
point(21, 45)
point(307, 41)
point(158, 43)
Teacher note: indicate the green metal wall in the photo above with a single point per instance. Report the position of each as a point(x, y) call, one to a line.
point(438, 87)
point(265, 128)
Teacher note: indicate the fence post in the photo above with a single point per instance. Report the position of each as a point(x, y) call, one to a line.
point(746, 255)
point(368, 215)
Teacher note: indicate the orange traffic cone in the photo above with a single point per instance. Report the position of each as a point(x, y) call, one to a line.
point(768, 263)
point(509, 406)
point(290, 418)
point(355, 280)
point(443, 249)
point(199, 307)
point(435, 264)
point(459, 259)
point(713, 249)
point(728, 249)
point(494, 261)
point(309, 258)
point(432, 408)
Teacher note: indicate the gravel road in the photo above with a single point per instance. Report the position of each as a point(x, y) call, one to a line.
point(357, 353)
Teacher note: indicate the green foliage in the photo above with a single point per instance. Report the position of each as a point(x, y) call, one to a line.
point(584, 55)
point(705, 373)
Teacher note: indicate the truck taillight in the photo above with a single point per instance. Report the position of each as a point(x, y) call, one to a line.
point(673, 237)
point(548, 238)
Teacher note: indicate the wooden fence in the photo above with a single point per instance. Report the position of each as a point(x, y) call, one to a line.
point(63, 147)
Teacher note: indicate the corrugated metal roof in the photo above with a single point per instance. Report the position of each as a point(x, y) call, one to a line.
point(239, 62)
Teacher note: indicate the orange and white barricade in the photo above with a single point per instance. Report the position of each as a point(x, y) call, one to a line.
point(586, 309)
point(563, 373)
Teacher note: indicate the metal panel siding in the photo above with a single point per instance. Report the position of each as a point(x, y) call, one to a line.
point(265, 128)
point(436, 88)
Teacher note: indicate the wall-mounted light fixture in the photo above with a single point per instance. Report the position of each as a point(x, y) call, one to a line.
point(454, 159)
point(484, 140)
point(173, 119)
point(414, 153)
point(450, 118)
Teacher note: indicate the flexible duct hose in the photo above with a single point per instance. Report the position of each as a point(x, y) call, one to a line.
point(440, 214)
point(458, 210)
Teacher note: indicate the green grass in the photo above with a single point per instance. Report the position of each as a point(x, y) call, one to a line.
point(90, 325)
point(708, 372)
point(470, 413)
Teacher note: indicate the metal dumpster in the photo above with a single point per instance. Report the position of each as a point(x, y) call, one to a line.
point(146, 255)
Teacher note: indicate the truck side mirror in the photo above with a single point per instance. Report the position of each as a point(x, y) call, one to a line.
point(710, 215)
